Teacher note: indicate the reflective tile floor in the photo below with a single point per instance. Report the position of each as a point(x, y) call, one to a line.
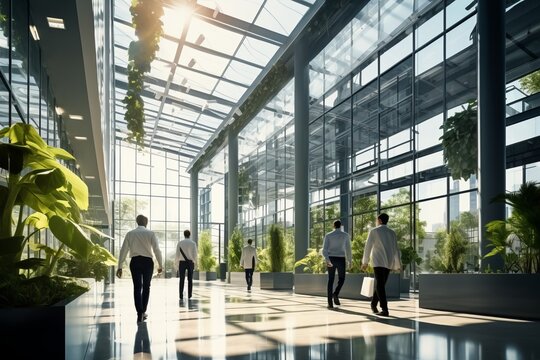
point(223, 321)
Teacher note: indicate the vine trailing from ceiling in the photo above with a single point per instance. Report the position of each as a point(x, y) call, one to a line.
point(146, 18)
point(460, 142)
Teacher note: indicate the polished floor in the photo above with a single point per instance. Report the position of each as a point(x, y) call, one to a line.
point(223, 321)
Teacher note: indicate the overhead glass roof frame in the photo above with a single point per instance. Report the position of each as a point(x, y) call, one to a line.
point(210, 55)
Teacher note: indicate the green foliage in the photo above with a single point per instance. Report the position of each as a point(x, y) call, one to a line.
point(146, 18)
point(531, 82)
point(313, 262)
point(455, 248)
point(38, 291)
point(409, 256)
point(236, 243)
point(276, 249)
point(517, 239)
point(289, 249)
point(460, 142)
point(357, 247)
point(207, 260)
point(263, 260)
point(36, 180)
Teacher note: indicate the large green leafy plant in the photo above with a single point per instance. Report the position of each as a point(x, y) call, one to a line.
point(312, 263)
point(517, 239)
point(207, 260)
point(38, 192)
point(460, 142)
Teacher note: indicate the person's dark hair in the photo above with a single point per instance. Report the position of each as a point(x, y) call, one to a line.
point(337, 224)
point(187, 233)
point(250, 241)
point(141, 220)
point(384, 218)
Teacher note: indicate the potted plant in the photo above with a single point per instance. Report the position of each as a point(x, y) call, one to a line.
point(517, 240)
point(207, 260)
point(38, 192)
point(278, 278)
point(460, 142)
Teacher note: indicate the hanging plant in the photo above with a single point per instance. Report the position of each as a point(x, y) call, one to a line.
point(146, 18)
point(460, 142)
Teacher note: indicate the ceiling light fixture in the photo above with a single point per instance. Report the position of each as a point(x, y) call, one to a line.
point(188, 88)
point(75, 117)
point(89, 177)
point(80, 138)
point(184, 81)
point(59, 110)
point(191, 63)
point(56, 23)
point(199, 40)
point(34, 32)
point(238, 112)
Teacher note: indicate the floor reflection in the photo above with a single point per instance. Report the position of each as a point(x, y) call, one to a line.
point(224, 322)
point(141, 348)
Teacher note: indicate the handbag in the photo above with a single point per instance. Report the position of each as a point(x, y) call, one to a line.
point(368, 286)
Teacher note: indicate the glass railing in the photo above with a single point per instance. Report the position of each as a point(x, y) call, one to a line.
point(521, 105)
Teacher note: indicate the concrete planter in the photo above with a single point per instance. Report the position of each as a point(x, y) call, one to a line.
point(62, 331)
point(505, 295)
point(315, 284)
point(277, 281)
point(205, 275)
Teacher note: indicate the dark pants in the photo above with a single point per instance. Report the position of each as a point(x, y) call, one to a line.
point(141, 272)
point(339, 265)
point(183, 266)
point(249, 277)
point(379, 295)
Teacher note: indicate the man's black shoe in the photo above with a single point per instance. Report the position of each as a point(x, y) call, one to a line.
point(384, 313)
point(330, 306)
point(336, 300)
point(374, 309)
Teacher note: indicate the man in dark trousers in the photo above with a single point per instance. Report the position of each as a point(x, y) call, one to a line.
point(382, 247)
point(140, 243)
point(186, 260)
point(337, 253)
point(248, 261)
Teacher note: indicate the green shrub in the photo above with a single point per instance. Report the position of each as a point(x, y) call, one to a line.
point(236, 243)
point(276, 249)
point(207, 260)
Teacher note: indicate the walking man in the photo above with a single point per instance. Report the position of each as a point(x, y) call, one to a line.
point(337, 253)
point(186, 258)
point(248, 261)
point(139, 243)
point(382, 247)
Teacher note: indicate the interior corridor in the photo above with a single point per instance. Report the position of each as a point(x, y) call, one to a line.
point(222, 321)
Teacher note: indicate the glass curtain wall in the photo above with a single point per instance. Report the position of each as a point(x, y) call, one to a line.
point(379, 93)
point(212, 202)
point(153, 183)
point(266, 171)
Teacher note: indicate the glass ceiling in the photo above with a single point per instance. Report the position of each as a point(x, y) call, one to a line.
point(195, 84)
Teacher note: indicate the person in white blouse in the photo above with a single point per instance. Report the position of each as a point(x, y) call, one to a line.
point(248, 261)
point(139, 243)
point(382, 247)
point(186, 261)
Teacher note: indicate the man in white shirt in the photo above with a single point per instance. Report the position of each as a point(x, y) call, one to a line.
point(140, 243)
point(382, 247)
point(248, 261)
point(186, 260)
point(338, 255)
